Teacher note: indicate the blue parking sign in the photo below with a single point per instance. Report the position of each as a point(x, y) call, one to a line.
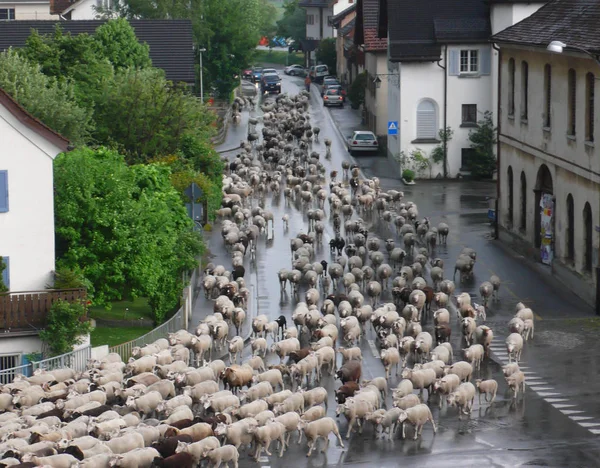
point(393, 127)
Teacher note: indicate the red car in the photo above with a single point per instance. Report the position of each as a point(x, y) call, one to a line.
point(247, 74)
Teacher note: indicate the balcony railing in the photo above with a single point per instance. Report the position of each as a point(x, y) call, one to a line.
point(27, 310)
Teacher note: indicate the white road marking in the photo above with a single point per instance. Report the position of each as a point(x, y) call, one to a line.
point(595, 431)
point(589, 424)
point(580, 418)
point(531, 377)
point(545, 394)
point(533, 384)
point(540, 389)
point(570, 411)
point(555, 400)
point(374, 349)
point(263, 460)
point(562, 405)
point(481, 441)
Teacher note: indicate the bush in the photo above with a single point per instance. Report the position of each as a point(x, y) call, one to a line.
point(356, 93)
point(482, 141)
point(408, 175)
point(65, 327)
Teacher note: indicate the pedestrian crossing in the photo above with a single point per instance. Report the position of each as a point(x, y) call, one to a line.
point(544, 390)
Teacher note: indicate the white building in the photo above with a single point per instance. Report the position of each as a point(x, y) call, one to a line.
point(318, 26)
point(375, 62)
point(25, 10)
point(549, 160)
point(441, 75)
point(27, 150)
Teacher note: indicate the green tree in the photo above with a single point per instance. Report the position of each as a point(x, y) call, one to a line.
point(356, 92)
point(267, 14)
point(117, 42)
point(65, 327)
point(124, 226)
point(293, 22)
point(327, 54)
point(145, 115)
point(482, 141)
point(52, 102)
point(3, 287)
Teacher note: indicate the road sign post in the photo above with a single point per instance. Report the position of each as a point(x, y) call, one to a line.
point(393, 127)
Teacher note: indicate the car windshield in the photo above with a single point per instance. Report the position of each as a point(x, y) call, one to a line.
point(271, 78)
point(321, 68)
point(364, 136)
point(257, 70)
point(332, 92)
point(269, 70)
point(333, 87)
point(330, 82)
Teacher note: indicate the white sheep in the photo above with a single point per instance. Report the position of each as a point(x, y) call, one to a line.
point(416, 416)
point(463, 397)
point(468, 326)
point(236, 347)
point(445, 386)
point(488, 388)
point(317, 429)
point(390, 357)
point(516, 382)
point(528, 329)
point(290, 420)
point(145, 404)
point(314, 397)
point(197, 449)
point(226, 453)
point(510, 369)
point(474, 355)
point(258, 391)
point(405, 387)
point(259, 346)
point(138, 458)
point(462, 369)
point(263, 436)
point(125, 443)
point(514, 346)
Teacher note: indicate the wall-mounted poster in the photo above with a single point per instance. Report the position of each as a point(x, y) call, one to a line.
point(547, 223)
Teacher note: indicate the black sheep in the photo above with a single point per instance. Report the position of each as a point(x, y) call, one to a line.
point(238, 272)
point(166, 447)
point(179, 460)
point(282, 322)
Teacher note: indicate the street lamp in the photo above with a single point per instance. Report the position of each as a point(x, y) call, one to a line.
point(558, 47)
point(200, 51)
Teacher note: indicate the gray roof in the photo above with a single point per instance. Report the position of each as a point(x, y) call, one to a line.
point(170, 41)
point(574, 22)
point(417, 30)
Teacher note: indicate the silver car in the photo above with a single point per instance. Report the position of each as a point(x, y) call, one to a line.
point(363, 141)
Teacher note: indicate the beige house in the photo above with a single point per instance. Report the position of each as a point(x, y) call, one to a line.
point(345, 51)
point(26, 10)
point(549, 156)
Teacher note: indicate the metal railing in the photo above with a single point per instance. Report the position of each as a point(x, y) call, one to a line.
point(7, 375)
point(175, 323)
point(76, 360)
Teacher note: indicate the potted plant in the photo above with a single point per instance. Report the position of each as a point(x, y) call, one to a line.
point(408, 176)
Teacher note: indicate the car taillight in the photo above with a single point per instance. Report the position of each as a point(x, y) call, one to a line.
point(325, 97)
point(355, 142)
point(340, 98)
point(375, 142)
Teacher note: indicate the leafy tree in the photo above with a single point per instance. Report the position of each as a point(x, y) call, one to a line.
point(437, 155)
point(482, 141)
point(327, 54)
point(52, 102)
point(144, 114)
point(356, 92)
point(65, 327)
point(293, 22)
point(67, 278)
point(267, 14)
point(3, 287)
point(124, 226)
point(117, 42)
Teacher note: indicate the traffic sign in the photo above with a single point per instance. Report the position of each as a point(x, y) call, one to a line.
point(393, 127)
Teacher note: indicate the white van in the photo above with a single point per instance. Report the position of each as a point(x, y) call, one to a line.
point(320, 71)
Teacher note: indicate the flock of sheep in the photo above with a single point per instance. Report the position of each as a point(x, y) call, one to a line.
point(172, 405)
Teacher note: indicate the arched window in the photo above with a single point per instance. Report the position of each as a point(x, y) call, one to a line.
point(524, 90)
point(547, 95)
point(523, 220)
point(511, 197)
point(427, 127)
point(511, 87)
point(587, 237)
point(570, 253)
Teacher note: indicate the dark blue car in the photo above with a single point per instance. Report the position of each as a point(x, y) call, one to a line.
point(270, 83)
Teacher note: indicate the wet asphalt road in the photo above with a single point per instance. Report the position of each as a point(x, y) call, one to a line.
point(546, 428)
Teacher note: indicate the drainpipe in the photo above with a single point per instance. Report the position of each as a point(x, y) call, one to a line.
point(498, 120)
point(445, 142)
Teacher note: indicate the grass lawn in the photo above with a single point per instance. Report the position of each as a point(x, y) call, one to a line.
point(137, 309)
point(115, 336)
point(278, 57)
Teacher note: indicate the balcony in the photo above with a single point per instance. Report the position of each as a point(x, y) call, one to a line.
point(26, 311)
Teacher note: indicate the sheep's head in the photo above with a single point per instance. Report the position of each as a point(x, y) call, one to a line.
point(182, 446)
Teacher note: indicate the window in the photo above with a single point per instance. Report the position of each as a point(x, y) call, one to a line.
point(9, 361)
point(587, 237)
point(469, 61)
point(310, 19)
point(467, 156)
point(469, 114)
point(511, 197)
point(7, 13)
point(427, 120)
point(511, 87)
point(590, 81)
point(524, 91)
point(523, 220)
point(6, 272)
point(547, 95)
point(570, 250)
point(572, 103)
point(3, 191)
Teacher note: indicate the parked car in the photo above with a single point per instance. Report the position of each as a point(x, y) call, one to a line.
point(319, 72)
point(270, 83)
point(295, 70)
point(339, 88)
point(247, 74)
point(256, 74)
point(362, 141)
point(333, 97)
point(328, 81)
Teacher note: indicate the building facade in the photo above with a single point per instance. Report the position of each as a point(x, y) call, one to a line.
point(549, 160)
point(344, 23)
point(25, 10)
point(319, 14)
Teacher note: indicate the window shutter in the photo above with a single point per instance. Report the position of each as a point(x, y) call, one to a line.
point(426, 121)
point(485, 61)
point(454, 62)
point(6, 272)
point(3, 191)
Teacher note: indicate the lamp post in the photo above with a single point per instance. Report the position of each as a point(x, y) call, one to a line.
point(558, 47)
point(200, 51)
